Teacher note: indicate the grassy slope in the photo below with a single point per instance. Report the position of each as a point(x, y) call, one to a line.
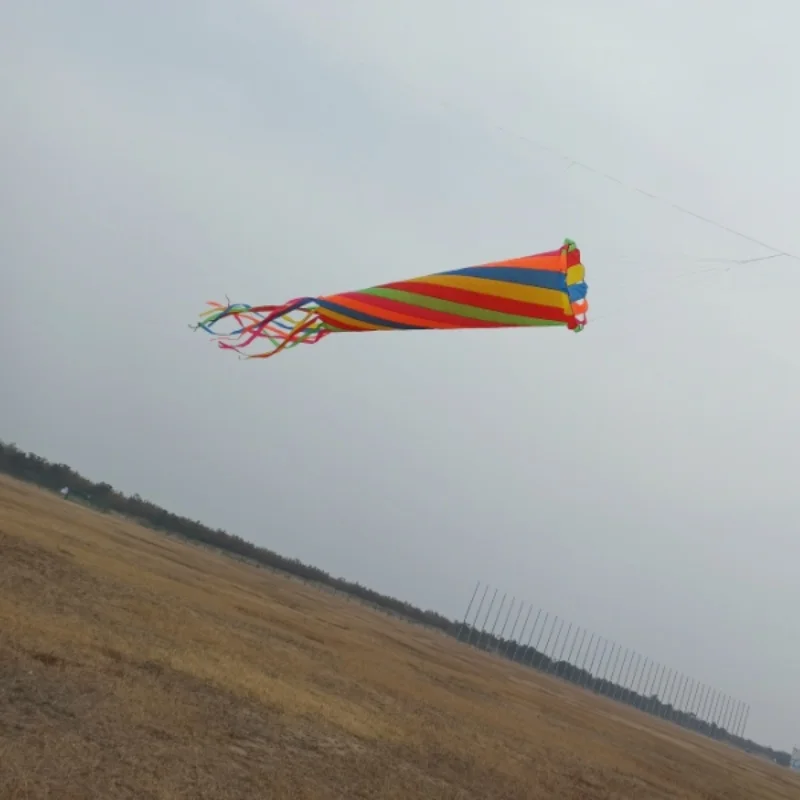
point(134, 666)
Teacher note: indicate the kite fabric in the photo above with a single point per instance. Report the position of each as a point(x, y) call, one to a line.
point(542, 290)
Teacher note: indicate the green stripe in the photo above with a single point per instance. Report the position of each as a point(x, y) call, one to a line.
point(458, 309)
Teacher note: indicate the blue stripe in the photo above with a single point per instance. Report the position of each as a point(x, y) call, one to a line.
point(542, 278)
point(366, 318)
point(577, 291)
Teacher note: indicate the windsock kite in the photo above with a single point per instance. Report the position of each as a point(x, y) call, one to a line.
point(542, 290)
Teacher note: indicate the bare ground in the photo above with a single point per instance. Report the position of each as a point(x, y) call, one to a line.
point(135, 666)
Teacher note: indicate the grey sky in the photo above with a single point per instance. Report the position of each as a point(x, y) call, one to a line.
point(638, 478)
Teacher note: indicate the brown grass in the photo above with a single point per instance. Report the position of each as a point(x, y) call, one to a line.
point(135, 666)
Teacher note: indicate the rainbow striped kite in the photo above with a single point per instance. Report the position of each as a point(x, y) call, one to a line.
point(546, 289)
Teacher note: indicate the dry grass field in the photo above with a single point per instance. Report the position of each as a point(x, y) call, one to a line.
point(134, 666)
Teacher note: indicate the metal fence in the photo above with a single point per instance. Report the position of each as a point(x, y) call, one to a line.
point(556, 646)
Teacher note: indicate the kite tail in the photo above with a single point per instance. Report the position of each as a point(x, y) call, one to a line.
point(284, 327)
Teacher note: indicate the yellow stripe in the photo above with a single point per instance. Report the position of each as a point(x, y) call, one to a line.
point(576, 274)
point(510, 291)
point(349, 322)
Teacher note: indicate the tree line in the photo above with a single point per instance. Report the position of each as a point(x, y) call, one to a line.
point(102, 496)
point(579, 675)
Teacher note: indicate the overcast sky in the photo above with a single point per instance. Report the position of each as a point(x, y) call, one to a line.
point(639, 478)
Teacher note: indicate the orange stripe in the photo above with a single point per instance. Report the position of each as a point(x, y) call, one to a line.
point(547, 262)
point(552, 261)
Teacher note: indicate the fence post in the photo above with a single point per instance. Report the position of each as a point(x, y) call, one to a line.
point(466, 613)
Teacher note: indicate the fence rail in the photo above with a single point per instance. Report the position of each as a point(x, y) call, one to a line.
point(600, 665)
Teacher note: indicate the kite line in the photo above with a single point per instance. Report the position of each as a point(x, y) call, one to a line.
point(575, 162)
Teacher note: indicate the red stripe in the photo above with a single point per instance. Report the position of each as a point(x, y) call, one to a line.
point(341, 326)
point(424, 315)
point(480, 300)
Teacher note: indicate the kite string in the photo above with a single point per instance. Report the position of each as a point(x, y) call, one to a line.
point(775, 251)
point(574, 162)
